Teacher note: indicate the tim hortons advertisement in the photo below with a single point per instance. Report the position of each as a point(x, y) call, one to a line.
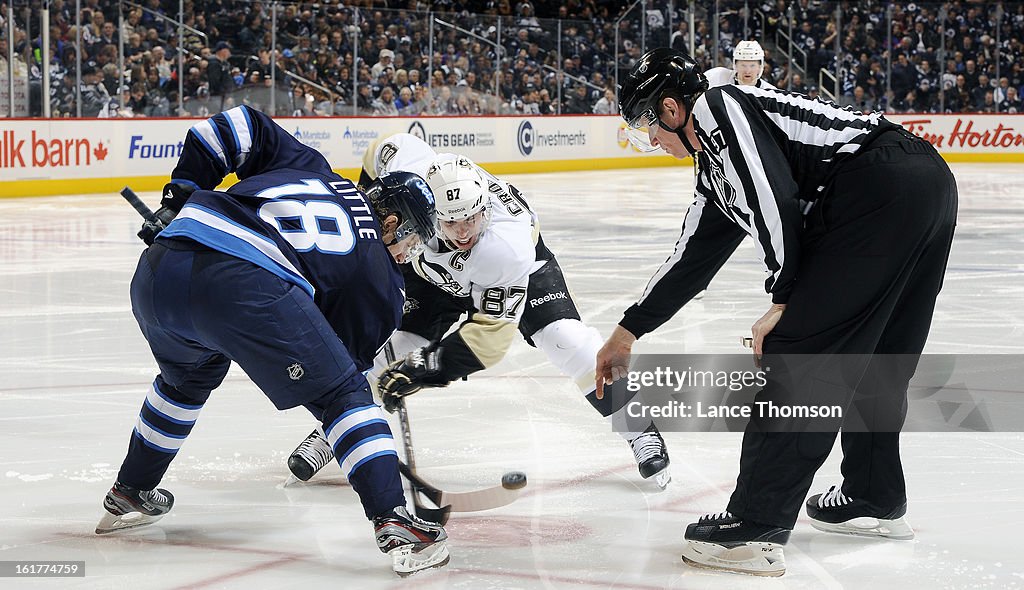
point(968, 134)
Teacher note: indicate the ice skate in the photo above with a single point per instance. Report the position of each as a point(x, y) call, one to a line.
point(834, 512)
point(412, 543)
point(652, 456)
point(725, 542)
point(312, 455)
point(129, 508)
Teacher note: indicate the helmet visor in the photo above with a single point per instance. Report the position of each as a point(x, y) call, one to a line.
point(407, 248)
point(642, 129)
point(410, 228)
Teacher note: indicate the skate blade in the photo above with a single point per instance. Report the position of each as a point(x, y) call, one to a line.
point(112, 523)
point(898, 529)
point(406, 561)
point(754, 559)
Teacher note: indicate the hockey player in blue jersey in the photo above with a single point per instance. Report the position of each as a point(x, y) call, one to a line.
point(288, 273)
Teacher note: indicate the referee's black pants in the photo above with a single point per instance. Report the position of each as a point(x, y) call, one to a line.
point(873, 255)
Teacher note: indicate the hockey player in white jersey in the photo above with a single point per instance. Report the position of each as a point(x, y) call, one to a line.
point(748, 65)
point(489, 260)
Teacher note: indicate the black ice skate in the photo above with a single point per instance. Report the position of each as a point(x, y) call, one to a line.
point(834, 512)
point(652, 456)
point(412, 543)
point(129, 508)
point(312, 455)
point(725, 542)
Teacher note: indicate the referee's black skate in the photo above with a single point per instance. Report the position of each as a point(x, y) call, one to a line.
point(129, 508)
point(652, 456)
point(725, 542)
point(413, 544)
point(312, 455)
point(834, 512)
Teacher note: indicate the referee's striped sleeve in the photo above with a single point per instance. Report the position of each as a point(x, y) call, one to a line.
point(707, 240)
point(759, 171)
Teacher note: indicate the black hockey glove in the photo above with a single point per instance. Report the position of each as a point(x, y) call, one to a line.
point(422, 368)
point(174, 198)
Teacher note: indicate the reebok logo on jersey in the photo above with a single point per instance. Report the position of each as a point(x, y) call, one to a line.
point(548, 297)
point(295, 371)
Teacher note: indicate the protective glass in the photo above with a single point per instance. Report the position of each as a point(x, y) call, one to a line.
point(642, 129)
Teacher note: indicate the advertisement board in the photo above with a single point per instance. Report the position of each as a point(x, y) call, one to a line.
point(61, 156)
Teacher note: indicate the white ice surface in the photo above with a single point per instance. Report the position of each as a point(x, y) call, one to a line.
point(74, 370)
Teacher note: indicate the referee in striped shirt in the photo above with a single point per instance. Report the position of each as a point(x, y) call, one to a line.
point(853, 218)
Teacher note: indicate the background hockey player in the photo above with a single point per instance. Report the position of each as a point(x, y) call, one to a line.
point(285, 273)
point(853, 218)
point(488, 260)
point(748, 66)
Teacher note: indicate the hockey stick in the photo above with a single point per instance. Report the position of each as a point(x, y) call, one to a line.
point(444, 502)
point(134, 200)
point(497, 496)
point(472, 501)
point(484, 499)
point(441, 512)
point(153, 223)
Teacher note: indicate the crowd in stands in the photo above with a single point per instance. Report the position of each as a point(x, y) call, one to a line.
point(937, 57)
point(500, 56)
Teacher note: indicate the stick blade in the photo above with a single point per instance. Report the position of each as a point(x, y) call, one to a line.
point(483, 499)
point(438, 515)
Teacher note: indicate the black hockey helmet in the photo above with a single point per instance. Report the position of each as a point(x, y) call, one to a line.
point(408, 197)
point(657, 72)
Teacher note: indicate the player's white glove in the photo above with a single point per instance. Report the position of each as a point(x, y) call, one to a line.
point(421, 368)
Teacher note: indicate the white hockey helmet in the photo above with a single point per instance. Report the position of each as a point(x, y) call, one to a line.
point(748, 51)
point(461, 198)
point(460, 191)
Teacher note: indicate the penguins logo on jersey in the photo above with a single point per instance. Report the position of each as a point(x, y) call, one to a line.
point(410, 305)
point(439, 275)
point(387, 151)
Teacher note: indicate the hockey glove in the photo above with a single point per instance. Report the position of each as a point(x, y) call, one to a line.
point(422, 368)
point(175, 196)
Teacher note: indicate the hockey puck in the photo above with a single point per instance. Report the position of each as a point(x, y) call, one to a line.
point(513, 480)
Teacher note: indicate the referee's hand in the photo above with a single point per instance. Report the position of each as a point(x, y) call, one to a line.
point(613, 359)
point(765, 325)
